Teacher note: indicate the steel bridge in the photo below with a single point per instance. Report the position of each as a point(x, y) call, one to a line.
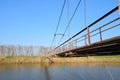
point(108, 46)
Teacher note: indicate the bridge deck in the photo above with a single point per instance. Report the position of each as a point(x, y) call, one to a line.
point(110, 46)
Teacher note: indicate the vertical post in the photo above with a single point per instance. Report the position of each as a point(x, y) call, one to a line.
point(100, 34)
point(59, 49)
point(85, 40)
point(68, 19)
point(76, 43)
point(56, 51)
point(119, 6)
point(88, 32)
point(54, 45)
point(69, 46)
point(65, 47)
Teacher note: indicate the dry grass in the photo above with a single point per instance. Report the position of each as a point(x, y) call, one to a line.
point(38, 59)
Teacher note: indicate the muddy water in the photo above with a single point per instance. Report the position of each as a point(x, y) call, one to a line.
point(72, 71)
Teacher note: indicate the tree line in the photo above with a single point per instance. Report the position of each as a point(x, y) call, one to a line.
point(11, 50)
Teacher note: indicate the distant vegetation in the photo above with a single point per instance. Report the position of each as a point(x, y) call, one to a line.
point(11, 50)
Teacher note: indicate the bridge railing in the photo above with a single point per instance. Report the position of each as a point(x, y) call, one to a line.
point(81, 38)
point(100, 32)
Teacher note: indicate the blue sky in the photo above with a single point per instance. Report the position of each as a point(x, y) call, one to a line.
point(33, 22)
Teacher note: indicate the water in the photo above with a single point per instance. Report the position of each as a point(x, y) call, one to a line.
point(60, 71)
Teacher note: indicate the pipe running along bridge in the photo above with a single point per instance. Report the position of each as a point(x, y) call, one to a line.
point(73, 47)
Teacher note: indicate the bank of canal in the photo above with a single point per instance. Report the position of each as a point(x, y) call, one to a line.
point(38, 59)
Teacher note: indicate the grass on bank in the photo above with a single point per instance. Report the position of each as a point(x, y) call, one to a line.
point(111, 56)
point(106, 56)
point(32, 57)
point(20, 59)
point(40, 59)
